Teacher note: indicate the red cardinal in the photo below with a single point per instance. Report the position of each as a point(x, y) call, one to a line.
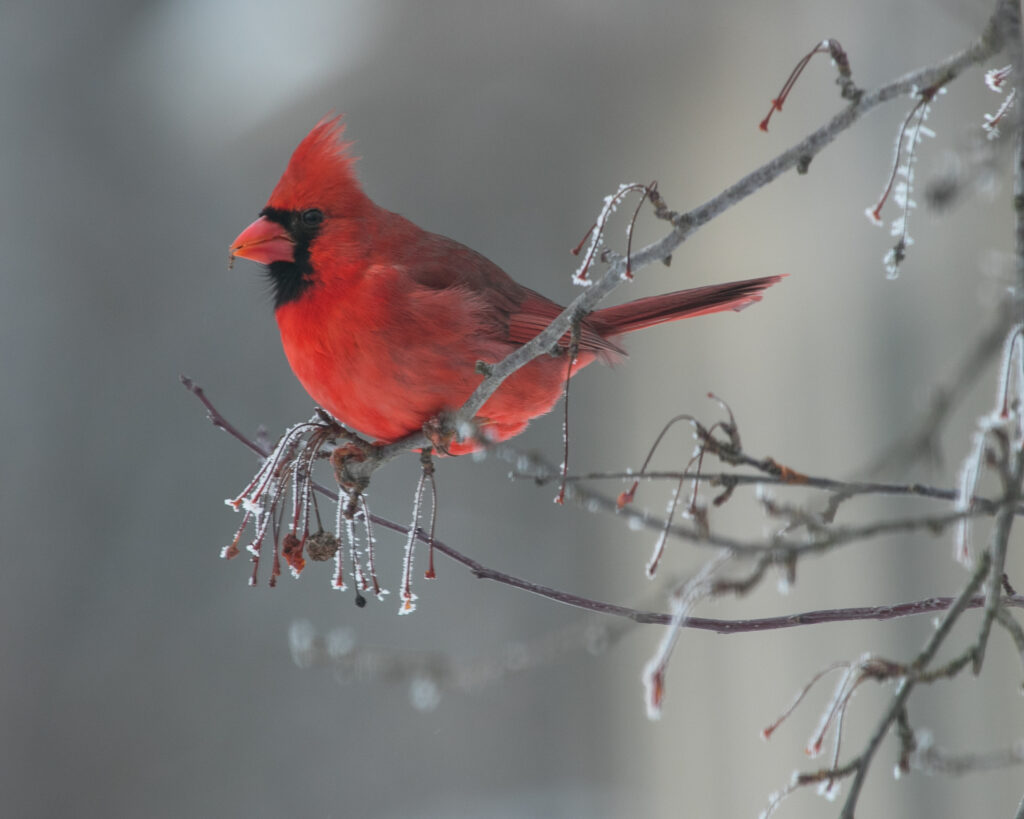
point(384, 323)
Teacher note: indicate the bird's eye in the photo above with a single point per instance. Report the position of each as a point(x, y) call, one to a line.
point(312, 217)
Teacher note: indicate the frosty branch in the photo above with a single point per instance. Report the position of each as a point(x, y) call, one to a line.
point(720, 626)
point(685, 224)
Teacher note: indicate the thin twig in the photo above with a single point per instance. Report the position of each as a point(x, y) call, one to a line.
point(686, 224)
point(809, 618)
point(907, 684)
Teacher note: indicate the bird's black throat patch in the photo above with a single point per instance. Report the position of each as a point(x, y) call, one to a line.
point(289, 280)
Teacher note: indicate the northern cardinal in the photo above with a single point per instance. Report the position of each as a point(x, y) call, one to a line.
point(384, 323)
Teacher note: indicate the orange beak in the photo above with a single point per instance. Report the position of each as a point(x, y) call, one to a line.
point(264, 242)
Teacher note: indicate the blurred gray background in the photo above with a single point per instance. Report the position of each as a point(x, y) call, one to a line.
point(141, 676)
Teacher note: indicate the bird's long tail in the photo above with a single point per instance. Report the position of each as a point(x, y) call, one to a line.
point(641, 313)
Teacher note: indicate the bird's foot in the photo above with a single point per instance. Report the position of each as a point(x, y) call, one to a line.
point(440, 431)
point(349, 461)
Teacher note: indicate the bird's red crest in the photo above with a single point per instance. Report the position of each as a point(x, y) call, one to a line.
point(319, 172)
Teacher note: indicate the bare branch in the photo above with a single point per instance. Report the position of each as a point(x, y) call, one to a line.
point(929, 605)
point(907, 684)
point(685, 224)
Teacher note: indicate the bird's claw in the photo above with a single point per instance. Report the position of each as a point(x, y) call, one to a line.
point(440, 431)
point(344, 459)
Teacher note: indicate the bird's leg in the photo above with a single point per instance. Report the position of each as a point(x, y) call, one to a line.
point(349, 461)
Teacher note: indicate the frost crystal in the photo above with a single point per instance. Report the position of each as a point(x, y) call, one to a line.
point(991, 123)
point(596, 235)
point(995, 77)
point(911, 134)
point(1005, 418)
point(408, 599)
point(340, 530)
point(692, 592)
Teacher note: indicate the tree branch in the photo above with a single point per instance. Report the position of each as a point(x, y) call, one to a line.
point(809, 618)
point(685, 224)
